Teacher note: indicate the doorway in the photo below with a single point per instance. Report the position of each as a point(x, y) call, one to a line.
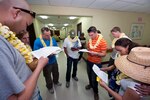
point(32, 36)
point(79, 29)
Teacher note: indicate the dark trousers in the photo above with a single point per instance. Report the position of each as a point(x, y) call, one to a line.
point(92, 76)
point(81, 53)
point(112, 81)
point(69, 67)
point(111, 62)
point(47, 71)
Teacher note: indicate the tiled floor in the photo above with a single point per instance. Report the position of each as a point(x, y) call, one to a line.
point(76, 91)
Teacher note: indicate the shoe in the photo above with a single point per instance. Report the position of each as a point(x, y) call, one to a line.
point(67, 84)
point(111, 98)
point(96, 96)
point(87, 87)
point(58, 84)
point(79, 61)
point(75, 78)
point(51, 91)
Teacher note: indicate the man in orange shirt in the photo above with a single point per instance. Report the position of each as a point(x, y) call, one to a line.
point(97, 47)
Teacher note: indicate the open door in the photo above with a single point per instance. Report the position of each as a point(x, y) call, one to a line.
point(79, 29)
point(32, 36)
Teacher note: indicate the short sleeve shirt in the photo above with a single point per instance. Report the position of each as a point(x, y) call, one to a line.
point(68, 45)
point(38, 44)
point(13, 71)
point(101, 47)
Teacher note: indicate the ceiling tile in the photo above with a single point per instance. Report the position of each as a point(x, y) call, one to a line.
point(38, 2)
point(129, 0)
point(143, 2)
point(60, 2)
point(120, 5)
point(84, 3)
point(117, 5)
point(131, 7)
point(101, 3)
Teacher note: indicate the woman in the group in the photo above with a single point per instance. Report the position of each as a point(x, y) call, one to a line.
point(24, 37)
point(124, 46)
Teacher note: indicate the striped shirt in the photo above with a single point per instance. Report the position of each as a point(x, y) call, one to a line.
point(102, 46)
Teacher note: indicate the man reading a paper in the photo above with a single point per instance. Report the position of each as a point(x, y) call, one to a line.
point(45, 40)
point(97, 47)
point(71, 46)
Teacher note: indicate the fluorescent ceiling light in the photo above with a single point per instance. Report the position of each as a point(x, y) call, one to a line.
point(50, 24)
point(72, 17)
point(44, 17)
point(66, 24)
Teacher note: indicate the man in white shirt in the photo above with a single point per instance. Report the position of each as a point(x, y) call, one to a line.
point(71, 46)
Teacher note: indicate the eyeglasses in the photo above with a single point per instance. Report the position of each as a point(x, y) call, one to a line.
point(27, 11)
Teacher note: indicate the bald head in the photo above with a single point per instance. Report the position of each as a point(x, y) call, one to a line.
point(19, 14)
point(18, 3)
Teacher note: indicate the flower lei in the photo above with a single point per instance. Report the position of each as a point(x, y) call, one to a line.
point(28, 47)
point(73, 40)
point(13, 40)
point(97, 42)
point(44, 44)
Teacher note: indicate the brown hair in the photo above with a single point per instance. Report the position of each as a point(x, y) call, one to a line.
point(98, 31)
point(92, 29)
point(125, 42)
point(21, 34)
point(44, 29)
point(115, 29)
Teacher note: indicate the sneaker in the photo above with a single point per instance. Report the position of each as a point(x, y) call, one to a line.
point(51, 90)
point(75, 78)
point(96, 96)
point(67, 84)
point(58, 84)
point(87, 87)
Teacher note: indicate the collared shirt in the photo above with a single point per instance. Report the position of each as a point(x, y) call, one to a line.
point(38, 45)
point(13, 71)
point(69, 44)
point(101, 47)
point(115, 54)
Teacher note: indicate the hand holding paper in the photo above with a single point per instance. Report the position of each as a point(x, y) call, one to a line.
point(46, 51)
point(101, 74)
point(83, 50)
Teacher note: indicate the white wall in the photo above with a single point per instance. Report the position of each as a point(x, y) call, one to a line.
point(38, 25)
point(86, 23)
point(104, 20)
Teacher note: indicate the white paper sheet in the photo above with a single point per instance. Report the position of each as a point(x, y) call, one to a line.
point(46, 51)
point(83, 50)
point(129, 83)
point(101, 74)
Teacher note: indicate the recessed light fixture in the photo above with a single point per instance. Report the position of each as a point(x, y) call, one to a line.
point(50, 24)
point(54, 28)
point(72, 17)
point(66, 24)
point(44, 17)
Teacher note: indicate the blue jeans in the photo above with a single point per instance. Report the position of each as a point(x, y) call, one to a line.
point(92, 76)
point(40, 98)
point(71, 61)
